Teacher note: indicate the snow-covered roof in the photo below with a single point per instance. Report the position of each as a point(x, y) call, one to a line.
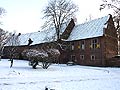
point(37, 37)
point(48, 35)
point(89, 29)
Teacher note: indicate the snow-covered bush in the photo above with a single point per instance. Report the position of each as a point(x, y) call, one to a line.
point(46, 57)
point(53, 54)
point(36, 53)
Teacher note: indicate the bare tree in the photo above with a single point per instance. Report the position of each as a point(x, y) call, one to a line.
point(115, 6)
point(2, 12)
point(57, 13)
point(13, 42)
point(4, 36)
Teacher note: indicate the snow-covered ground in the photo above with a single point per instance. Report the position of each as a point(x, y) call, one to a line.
point(58, 77)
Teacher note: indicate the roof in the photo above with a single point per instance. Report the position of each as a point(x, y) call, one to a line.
point(48, 35)
point(37, 37)
point(89, 29)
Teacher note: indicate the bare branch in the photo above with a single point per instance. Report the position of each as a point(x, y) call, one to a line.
point(2, 11)
point(58, 12)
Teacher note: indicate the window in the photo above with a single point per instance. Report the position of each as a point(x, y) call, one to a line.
point(72, 45)
point(94, 43)
point(82, 45)
point(81, 57)
point(73, 58)
point(92, 57)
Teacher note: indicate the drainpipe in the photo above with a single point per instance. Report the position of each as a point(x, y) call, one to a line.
point(118, 33)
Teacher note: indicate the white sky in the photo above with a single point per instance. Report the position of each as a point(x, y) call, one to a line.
point(24, 16)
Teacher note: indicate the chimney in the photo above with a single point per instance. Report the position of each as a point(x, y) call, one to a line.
point(68, 29)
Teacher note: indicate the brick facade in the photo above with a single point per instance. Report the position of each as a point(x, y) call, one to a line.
point(96, 51)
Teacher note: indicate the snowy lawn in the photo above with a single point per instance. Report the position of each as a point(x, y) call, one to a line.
point(58, 77)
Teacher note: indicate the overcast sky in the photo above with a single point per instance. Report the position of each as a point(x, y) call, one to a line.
point(24, 16)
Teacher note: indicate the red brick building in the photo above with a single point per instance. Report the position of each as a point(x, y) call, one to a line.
point(91, 43)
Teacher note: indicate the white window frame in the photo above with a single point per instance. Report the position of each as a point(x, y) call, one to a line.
point(93, 43)
point(72, 46)
point(82, 57)
point(82, 44)
point(92, 57)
